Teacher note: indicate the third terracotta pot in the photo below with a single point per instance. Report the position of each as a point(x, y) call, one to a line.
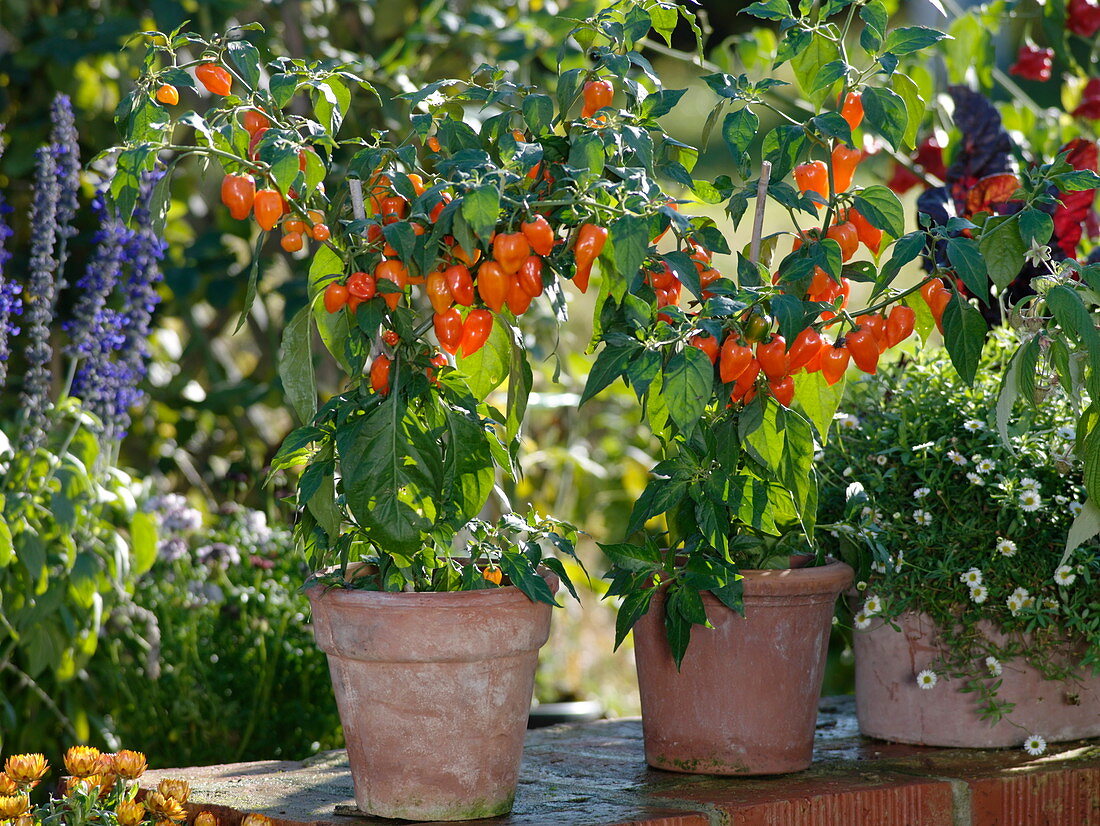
point(744, 700)
point(891, 706)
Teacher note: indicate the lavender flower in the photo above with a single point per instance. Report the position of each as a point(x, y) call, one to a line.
point(34, 399)
point(66, 151)
point(10, 303)
point(172, 549)
point(113, 344)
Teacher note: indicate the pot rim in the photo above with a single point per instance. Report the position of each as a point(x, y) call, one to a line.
point(831, 578)
point(425, 599)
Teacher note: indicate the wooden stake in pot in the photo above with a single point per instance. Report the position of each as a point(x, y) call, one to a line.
point(758, 218)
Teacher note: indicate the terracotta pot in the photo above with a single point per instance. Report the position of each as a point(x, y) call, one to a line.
point(890, 705)
point(433, 691)
point(745, 698)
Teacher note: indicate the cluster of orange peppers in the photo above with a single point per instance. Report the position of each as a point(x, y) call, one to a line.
point(511, 276)
point(743, 356)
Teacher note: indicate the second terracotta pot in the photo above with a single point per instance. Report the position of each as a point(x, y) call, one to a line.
point(745, 698)
point(433, 691)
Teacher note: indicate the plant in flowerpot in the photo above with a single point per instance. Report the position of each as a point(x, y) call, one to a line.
point(423, 263)
point(732, 605)
point(974, 625)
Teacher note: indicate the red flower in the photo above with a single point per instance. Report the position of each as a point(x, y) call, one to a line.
point(1083, 17)
point(1090, 101)
point(1033, 63)
point(929, 157)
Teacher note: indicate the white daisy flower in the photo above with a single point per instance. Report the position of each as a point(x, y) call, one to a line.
point(898, 562)
point(985, 466)
point(920, 493)
point(956, 457)
point(1035, 745)
point(861, 620)
point(870, 514)
point(1030, 500)
point(1006, 547)
point(927, 679)
point(975, 479)
point(922, 517)
point(1064, 575)
point(847, 421)
point(881, 459)
point(979, 594)
point(1014, 605)
point(994, 666)
point(1028, 483)
point(1075, 508)
point(1050, 603)
point(872, 606)
point(973, 425)
point(972, 578)
point(923, 446)
point(878, 567)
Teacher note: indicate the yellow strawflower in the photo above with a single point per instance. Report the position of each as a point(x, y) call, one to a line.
point(26, 769)
point(164, 808)
point(82, 761)
point(205, 819)
point(129, 813)
point(176, 789)
point(7, 785)
point(15, 805)
point(130, 764)
point(256, 819)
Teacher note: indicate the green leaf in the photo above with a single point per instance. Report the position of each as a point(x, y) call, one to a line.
point(1036, 226)
point(808, 65)
point(480, 208)
point(876, 17)
point(630, 557)
point(633, 608)
point(282, 88)
point(1003, 249)
point(677, 631)
point(911, 39)
point(538, 112)
point(333, 327)
point(519, 388)
point(518, 570)
point(7, 549)
point(966, 258)
point(818, 400)
point(246, 58)
point(739, 131)
point(628, 242)
point(964, 332)
point(488, 367)
point(886, 114)
point(915, 106)
point(143, 542)
point(688, 381)
point(1084, 528)
point(610, 364)
point(296, 366)
point(769, 9)
point(253, 282)
point(1091, 463)
point(830, 73)
point(882, 209)
point(1074, 318)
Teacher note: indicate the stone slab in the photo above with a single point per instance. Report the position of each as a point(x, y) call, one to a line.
point(595, 774)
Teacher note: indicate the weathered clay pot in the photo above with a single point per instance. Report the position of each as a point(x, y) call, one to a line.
point(890, 705)
point(745, 698)
point(433, 691)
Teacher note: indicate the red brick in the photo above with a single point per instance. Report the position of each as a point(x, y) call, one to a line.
point(1064, 796)
point(826, 799)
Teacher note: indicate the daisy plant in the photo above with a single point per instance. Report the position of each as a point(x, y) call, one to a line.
point(964, 524)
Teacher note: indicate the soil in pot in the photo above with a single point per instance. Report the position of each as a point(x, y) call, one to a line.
point(433, 690)
point(891, 706)
point(745, 698)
